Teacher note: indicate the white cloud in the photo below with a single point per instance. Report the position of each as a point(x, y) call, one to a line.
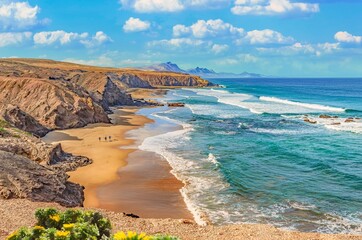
point(10, 38)
point(207, 3)
point(219, 48)
point(178, 42)
point(345, 37)
point(238, 59)
point(265, 36)
point(180, 30)
point(209, 28)
point(273, 7)
point(98, 39)
point(103, 60)
point(136, 25)
point(18, 15)
point(299, 48)
point(62, 37)
point(172, 5)
point(153, 5)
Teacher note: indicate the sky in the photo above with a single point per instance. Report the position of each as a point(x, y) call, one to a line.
point(286, 38)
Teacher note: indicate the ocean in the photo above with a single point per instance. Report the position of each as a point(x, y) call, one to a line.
point(286, 152)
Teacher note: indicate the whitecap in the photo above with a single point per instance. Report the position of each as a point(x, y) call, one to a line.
point(305, 105)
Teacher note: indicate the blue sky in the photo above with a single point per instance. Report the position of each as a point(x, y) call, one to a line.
point(304, 38)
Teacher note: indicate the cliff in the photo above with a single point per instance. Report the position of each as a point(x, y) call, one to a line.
point(32, 169)
point(47, 103)
point(40, 95)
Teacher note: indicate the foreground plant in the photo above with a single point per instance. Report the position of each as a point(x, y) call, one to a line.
point(75, 225)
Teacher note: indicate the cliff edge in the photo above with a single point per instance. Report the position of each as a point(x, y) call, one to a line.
point(41, 95)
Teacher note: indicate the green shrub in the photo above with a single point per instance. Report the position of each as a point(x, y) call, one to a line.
point(3, 124)
point(75, 225)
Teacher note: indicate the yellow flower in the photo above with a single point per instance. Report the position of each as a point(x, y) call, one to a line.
point(62, 233)
point(39, 228)
point(120, 236)
point(13, 234)
point(143, 236)
point(55, 218)
point(68, 226)
point(131, 234)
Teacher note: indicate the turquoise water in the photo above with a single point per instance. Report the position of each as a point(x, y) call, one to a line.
point(247, 155)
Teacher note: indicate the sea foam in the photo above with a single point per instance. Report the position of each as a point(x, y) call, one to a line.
point(198, 180)
point(305, 105)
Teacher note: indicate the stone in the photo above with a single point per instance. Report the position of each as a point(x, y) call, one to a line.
point(24, 178)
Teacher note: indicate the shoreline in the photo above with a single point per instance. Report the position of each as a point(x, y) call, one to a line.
point(105, 155)
point(139, 167)
point(17, 213)
point(121, 177)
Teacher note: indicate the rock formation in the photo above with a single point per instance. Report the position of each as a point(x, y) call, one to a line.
point(22, 178)
point(32, 169)
point(41, 95)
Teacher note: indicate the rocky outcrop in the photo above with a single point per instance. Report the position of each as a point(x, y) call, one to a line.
point(41, 95)
point(33, 148)
point(156, 79)
point(23, 121)
point(32, 169)
point(47, 105)
point(113, 95)
point(22, 178)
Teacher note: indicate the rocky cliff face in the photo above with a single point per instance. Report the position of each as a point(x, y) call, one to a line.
point(22, 178)
point(32, 169)
point(23, 121)
point(47, 104)
point(24, 144)
point(41, 95)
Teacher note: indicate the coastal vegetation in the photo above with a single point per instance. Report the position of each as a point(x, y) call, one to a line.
point(76, 225)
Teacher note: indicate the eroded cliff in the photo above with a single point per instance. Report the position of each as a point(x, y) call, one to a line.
point(40, 95)
point(32, 169)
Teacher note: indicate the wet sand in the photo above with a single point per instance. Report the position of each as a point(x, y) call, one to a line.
point(142, 184)
point(146, 187)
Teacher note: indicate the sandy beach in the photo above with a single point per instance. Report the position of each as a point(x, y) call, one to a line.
point(122, 178)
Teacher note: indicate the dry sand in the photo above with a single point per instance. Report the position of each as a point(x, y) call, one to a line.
point(145, 93)
point(17, 212)
point(141, 184)
point(106, 155)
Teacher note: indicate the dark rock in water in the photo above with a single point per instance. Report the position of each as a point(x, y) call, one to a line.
point(21, 177)
point(327, 116)
point(176, 104)
point(348, 120)
point(131, 215)
point(309, 121)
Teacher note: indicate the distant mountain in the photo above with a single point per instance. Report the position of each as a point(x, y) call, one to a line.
point(202, 72)
point(166, 67)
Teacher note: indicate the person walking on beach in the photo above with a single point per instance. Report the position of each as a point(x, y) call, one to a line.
point(105, 139)
point(100, 139)
point(110, 138)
